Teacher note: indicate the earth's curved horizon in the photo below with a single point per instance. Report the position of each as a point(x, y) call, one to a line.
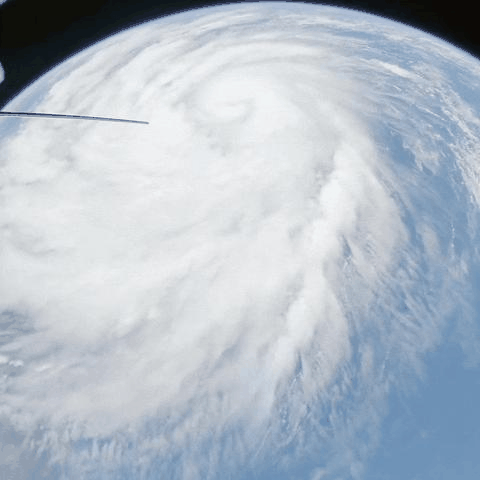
point(277, 277)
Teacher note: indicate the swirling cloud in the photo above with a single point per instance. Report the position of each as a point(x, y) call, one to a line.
point(250, 274)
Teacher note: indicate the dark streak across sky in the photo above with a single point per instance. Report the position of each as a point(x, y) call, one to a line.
point(72, 117)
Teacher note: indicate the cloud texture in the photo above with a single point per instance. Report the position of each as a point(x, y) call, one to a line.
point(240, 284)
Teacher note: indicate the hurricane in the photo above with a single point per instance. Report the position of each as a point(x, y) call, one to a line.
point(240, 285)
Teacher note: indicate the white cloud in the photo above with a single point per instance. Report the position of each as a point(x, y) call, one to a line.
point(227, 281)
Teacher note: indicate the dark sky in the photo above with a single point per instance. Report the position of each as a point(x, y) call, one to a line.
point(37, 34)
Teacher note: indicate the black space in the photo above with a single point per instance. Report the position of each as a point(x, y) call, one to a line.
point(35, 35)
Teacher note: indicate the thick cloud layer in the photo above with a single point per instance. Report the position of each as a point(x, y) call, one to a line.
point(247, 277)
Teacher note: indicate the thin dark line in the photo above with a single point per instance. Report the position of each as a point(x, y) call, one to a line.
point(72, 117)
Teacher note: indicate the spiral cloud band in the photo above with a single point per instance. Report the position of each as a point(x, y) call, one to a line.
point(247, 278)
